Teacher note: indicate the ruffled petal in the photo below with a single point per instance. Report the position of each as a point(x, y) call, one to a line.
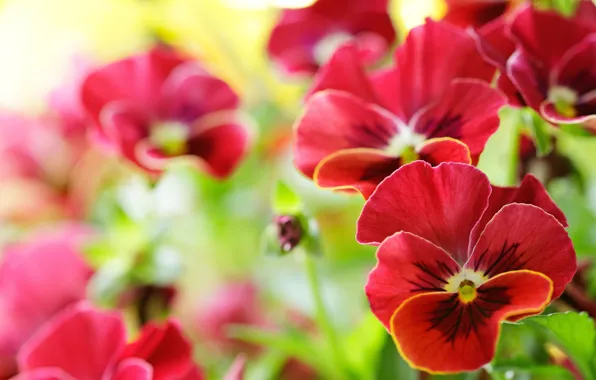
point(359, 168)
point(547, 35)
point(59, 344)
point(421, 80)
point(467, 111)
point(43, 374)
point(444, 149)
point(436, 332)
point(433, 203)
point(336, 120)
point(530, 191)
point(494, 43)
point(466, 13)
point(344, 72)
point(528, 77)
point(523, 236)
point(407, 265)
point(164, 348)
point(191, 92)
point(133, 369)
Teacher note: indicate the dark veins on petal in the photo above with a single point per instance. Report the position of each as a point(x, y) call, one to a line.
point(373, 136)
point(428, 281)
point(508, 259)
point(448, 126)
point(379, 172)
point(455, 319)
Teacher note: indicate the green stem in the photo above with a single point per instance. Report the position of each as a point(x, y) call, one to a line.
point(322, 317)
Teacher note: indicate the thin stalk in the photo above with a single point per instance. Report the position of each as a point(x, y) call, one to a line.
point(322, 317)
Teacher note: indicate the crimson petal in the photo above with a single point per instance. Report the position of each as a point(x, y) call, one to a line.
point(421, 80)
point(435, 332)
point(359, 168)
point(344, 72)
point(433, 203)
point(335, 120)
point(523, 236)
point(529, 78)
point(133, 369)
point(407, 265)
point(59, 343)
point(444, 149)
point(164, 348)
point(530, 191)
point(44, 374)
point(467, 111)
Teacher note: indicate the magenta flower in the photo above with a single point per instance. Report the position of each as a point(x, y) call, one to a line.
point(160, 105)
point(38, 279)
point(303, 39)
point(87, 344)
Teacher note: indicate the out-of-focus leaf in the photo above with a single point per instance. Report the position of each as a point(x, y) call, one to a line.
point(540, 131)
point(392, 366)
point(533, 372)
point(286, 201)
point(267, 366)
point(501, 155)
point(109, 281)
point(312, 239)
point(363, 347)
point(574, 332)
point(161, 266)
point(292, 343)
point(565, 7)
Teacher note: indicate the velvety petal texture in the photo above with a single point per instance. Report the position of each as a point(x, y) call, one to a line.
point(457, 257)
point(302, 38)
point(160, 105)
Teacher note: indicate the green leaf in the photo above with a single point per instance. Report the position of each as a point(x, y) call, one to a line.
point(286, 201)
point(363, 347)
point(267, 366)
point(291, 342)
point(392, 366)
point(544, 372)
point(539, 130)
point(575, 333)
point(501, 155)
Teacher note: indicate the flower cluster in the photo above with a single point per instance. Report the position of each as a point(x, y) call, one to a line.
point(141, 182)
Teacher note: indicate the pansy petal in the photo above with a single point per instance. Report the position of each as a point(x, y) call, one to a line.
point(191, 92)
point(133, 369)
point(466, 13)
point(523, 236)
point(421, 80)
point(359, 168)
point(221, 141)
point(468, 111)
point(546, 35)
point(433, 203)
point(549, 111)
point(164, 348)
point(407, 265)
point(436, 332)
point(59, 343)
point(137, 79)
point(444, 149)
point(344, 72)
point(335, 120)
point(528, 78)
point(530, 191)
point(494, 43)
point(577, 68)
point(124, 125)
point(50, 373)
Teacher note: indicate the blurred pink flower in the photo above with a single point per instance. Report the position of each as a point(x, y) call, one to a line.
point(88, 344)
point(236, 303)
point(160, 105)
point(36, 162)
point(38, 279)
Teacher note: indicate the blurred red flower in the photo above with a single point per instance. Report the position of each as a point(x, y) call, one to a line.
point(160, 105)
point(357, 129)
point(457, 257)
point(38, 279)
point(476, 13)
point(88, 344)
point(546, 61)
point(303, 39)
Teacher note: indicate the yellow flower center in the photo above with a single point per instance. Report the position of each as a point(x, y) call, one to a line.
point(170, 137)
point(564, 100)
point(467, 291)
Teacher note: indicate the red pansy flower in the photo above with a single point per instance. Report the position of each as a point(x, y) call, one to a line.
point(357, 129)
point(38, 279)
point(304, 38)
point(554, 65)
point(160, 105)
point(87, 344)
point(457, 257)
